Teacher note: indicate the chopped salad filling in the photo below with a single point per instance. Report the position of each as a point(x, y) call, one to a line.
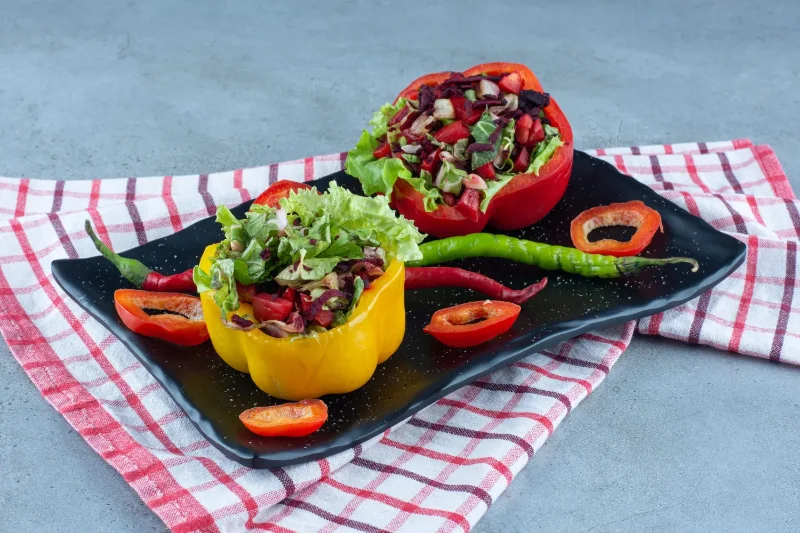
point(457, 143)
point(304, 266)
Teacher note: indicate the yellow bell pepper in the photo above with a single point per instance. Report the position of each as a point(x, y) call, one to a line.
point(337, 361)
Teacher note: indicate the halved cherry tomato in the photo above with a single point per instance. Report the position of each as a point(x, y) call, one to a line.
point(452, 133)
point(486, 171)
point(183, 324)
point(512, 83)
point(634, 213)
point(382, 151)
point(472, 323)
point(271, 307)
point(280, 189)
point(296, 419)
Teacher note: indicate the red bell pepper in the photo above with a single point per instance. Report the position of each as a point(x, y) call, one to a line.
point(296, 419)
point(182, 323)
point(280, 189)
point(473, 323)
point(523, 201)
point(646, 221)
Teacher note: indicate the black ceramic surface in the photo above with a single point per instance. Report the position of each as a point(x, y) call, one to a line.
point(421, 371)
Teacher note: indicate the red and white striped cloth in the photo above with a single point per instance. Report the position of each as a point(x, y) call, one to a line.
point(441, 469)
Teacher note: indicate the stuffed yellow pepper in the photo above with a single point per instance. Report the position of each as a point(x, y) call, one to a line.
point(306, 292)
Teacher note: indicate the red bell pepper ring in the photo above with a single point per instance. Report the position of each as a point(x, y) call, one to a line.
point(473, 323)
point(524, 200)
point(296, 419)
point(280, 189)
point(433, 277)
point(634, 213)
point(183, 325)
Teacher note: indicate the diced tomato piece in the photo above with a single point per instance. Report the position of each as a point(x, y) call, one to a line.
point(486, 171)
point(323, 318)
point(452, 133)
point(522, 130)
point(382, 151)
point(512, 83)
point(537, 134)
point(431, 163)
point(270, 307)
point(449, 198)
point(467, 117)
point(305, 302)
point(289, 294)
point(522, 160)
point(469, 204)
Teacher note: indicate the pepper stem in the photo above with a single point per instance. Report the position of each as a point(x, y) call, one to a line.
point(130, 269)
point(632, 264)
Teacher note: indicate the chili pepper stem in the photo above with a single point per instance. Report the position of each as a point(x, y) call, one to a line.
point(130, 269)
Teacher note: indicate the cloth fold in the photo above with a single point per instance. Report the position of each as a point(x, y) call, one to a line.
point(443, 467)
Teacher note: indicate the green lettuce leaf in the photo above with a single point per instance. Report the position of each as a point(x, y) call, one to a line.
point(545, 150)
point(493, 187)
point(370, 218)
point(380, 119)
point(432, 197)
point(375, 175)
point(305, 270)
point(224, 283)
point(481, 131)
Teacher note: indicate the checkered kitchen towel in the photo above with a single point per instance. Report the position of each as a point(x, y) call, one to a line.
point(441, 469)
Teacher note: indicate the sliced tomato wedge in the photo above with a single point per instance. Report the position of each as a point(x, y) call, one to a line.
point(382, 151)
point(512, 83)
point(280, 189)
point(634, 213)
point(296, 419)
point(473, 323)
point(452, 133)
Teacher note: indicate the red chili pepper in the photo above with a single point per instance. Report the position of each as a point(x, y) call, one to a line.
point(646, 221)
point(280, 189)
point(432, 277)
point(286, 420)
point(182, 325)
point(472, 323)
point(141, 276)
point(526, 199)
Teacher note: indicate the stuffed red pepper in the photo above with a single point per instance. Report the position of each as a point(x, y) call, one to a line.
point(458, 151)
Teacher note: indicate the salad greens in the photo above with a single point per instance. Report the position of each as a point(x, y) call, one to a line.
point(308, 244)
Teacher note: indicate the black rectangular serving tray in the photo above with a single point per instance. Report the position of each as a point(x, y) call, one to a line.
point(421, 371)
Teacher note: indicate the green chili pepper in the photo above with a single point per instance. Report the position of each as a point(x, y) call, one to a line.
point(131, 269)
point(544, 256)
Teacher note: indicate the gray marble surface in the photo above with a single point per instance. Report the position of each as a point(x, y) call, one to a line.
point(678, 438)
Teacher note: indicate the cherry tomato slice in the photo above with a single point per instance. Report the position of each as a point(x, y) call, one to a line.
point(296, 419)
point(473, 323)
point(280, 189)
